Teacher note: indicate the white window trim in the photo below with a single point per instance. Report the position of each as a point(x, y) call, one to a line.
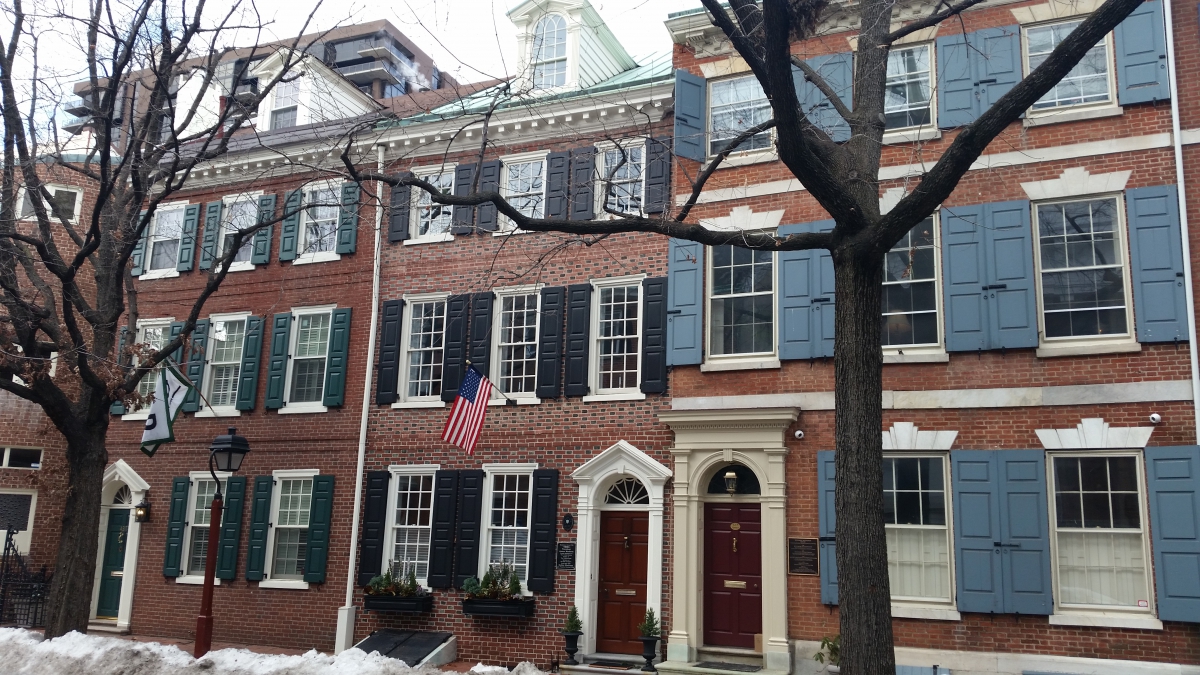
point(148, 250)
point(56, 187)
point(568, 60)
point(310, 406)
point(141, 414)
point(303, 256)
point(403, 401)
point(4, 458)
point(926, 353)
point(1031, 113)
point(413, 210)
point(737, 157)
point(599, 193)
point(485, 538)
point(226, 202)
point(277, 477)
point(1049, 346)
point(523, 398)
point(207, 410)
point(919, 132)
point(301, 97)
point(1103, 615)
point(748, 361)
point(507, 226)
point(397, 470)
point(627, 393)
point(938, 610)
point(186, 549)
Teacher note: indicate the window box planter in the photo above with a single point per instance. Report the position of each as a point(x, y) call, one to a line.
point(488, 607)
point(395, 603)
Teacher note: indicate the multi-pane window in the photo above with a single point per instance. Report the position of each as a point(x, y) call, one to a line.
point(291, 528)
point(433, 220)
point(426, 329)
point(414, 512)
point(287, 100)
point(618, 344)
point(508, 524)
point(735, 106)
point(164, 240)
point(526, 188)
point(910, 289)
point(63, 202)
point(914, 516)
point(1098, 527)
point(308, 358)
point(1082, 269)
point(909, 88)
point(321, 211)
point(623, 173)
point(517, 343)
point(240, 215)
point(1088, 81)
point(550, 52)
point(225, 362)
point(21, 458)
point(202, 495)
point(742, 316)
point(155, 338)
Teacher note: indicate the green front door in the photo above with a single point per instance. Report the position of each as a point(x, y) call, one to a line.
point(112, 565)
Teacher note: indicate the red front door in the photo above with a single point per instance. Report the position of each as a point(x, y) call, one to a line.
point(732, 575)
point(624, 544)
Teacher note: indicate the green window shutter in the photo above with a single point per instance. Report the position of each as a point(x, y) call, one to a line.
point(117, 407)
point(177, 355)
point(335, 361)
point(347, 232)
point(260, 525)
point(231, 527)
point(195, 365)
point(176, 525)
point(289, 231)
point(212, 226)
point(187, 243)
point(262, 238)
point(251, 357)
point(281, 330)
point(138, 257)
point(319, 519)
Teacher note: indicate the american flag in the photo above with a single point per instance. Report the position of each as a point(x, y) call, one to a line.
point(466, 416)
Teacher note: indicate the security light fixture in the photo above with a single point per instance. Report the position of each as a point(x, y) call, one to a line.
point(730, 482)
point(141, 512)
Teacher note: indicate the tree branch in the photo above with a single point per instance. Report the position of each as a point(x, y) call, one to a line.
point(813, 76)
point(931, 20)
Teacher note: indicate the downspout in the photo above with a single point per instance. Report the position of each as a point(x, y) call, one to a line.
point(1177, 139)
point(345, 625)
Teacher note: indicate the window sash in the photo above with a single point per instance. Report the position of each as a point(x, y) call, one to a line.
point(155, 337)
point(1082, 85)
point(164, 241)
point(741, 322)
point(909, 89)
point(910, 290)
point(516, 345)
point(510, 504)
point(618, 338)
point(424, 345)
point(199, 522)
point(625, 180)
point(321, 213)
point(920, 555)
point(433, 220)
point(525, 187)
point(737, 105)
point(240, 214)
point(412, 518)
point(293, 503)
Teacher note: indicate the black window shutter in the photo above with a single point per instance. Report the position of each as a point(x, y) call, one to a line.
point(543, 531)
point(347, 231)
point(558, 175)
point(454, 349)
point(583, 168)
point(654, 335)
point(470, 523)
point(247, 392)
point(176, 525)
point(489, 181)
point(195, 365)
point(441, 540)
point(260, 524)
point(464, 216)
point(337, 356)
point(319, 519)
point(398, 214)
point(481, 330)
point(549, 365)
point(370, 562)
point(262, 238)
point(658, 175)
point(389, 351)
point(230, 537)
point(579, 320)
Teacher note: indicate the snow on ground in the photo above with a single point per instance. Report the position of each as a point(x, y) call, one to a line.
point(24, 652)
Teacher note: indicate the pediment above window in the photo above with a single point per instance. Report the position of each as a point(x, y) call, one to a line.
point(1094, 433)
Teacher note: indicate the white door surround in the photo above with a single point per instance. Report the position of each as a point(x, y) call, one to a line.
point(594, 478)
point(706, 440)
point(116, 476)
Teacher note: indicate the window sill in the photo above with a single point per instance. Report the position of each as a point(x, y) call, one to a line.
point(1042, 119)
point(323, 256)
point(194, 579)
point(925, 612)
point(748, 158)
point(622, 396)
point(927, 133)
point(915, 357)
point(218, 412)
point(138, 416)
point(1106, 620)
point(300, 409)
point(1084, 349)
point(764, 363)
point(525, 400)
point(159, 274)
point(294, 584)
point(420, 404)
point(429, 240)
point(243, 266)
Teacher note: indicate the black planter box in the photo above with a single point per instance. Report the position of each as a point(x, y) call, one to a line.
point(488, 607)
point(395, 603)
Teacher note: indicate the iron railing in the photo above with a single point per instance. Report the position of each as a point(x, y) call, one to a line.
point(23, 592)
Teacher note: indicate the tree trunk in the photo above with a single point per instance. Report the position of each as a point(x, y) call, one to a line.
point(70, 602)
point(864, 595)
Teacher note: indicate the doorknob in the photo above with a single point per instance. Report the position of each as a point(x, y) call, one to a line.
point(626, 543)
point(735, 544)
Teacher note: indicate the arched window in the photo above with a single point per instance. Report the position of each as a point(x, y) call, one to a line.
point(627, 491)
point(550, 52)
point(123, 497)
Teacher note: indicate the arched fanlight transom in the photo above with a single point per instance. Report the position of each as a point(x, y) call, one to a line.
point(627, 491)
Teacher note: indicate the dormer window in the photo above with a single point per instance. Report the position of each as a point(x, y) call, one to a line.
point(550, 52)
point(287, 99)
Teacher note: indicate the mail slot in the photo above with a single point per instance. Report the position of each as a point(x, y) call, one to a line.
point(626, 591)
point(734, 584)
point(117, 573)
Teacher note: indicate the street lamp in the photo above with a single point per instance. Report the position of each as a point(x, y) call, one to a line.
point(226, 452)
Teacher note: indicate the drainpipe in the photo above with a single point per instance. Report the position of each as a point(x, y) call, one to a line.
point(1183, 216)
point(345, 624)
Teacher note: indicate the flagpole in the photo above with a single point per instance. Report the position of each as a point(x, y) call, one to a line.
point(507, 400)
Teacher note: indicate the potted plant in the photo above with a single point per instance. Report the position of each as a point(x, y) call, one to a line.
point(497, 594)
point(832, 645)
point(650, 632)
point(571, 631)
point(397, 593)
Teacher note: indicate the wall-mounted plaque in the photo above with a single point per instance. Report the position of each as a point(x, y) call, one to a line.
point(803, 558)
point(566, 556)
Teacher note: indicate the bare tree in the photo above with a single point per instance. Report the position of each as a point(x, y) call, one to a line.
point(844, 179)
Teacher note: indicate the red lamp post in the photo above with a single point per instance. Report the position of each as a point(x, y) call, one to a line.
point(227, 452)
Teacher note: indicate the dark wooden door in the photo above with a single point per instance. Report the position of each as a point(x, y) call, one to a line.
point(624, 545)
point(732, 575)
point(112, 565)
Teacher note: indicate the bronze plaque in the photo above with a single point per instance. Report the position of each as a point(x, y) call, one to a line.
point(803, 557)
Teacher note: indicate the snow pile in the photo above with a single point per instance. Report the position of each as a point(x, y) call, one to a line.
point(25, 653)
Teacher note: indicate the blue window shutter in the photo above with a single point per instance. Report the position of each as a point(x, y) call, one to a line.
point(1012, 302)
point(583, 168)
point(400, 202)
point(1142, 56)
point(231, 527)
point(1173, 483)
point(489, 181)
point(685, 297)
point(654, 335)
point(347, 231)
point(195, 365)
point(470, 523)
point(579, 322)
point(691, 116)
point(370, 560)
point(796, 314)
point(1024, 531)
point(262, 238)
point(463, 220)
point(957, 103)
point(480, 354)
point(176, 525)
point(390, 314)
point(212, 231)
point(823, 295)
point(658, 175)
point(550, 330)
point(187, 239)
point(558, 179)
point(1156, 253)
point(289, 229)
point(964, 266)
point(454, 345)
point(117, 407)
point(543, 530)
point(826, 473)
point(441, 536)
point(319, 520)
point(247, 393)
point(997, 56)
point(260, 524)
point(336, 357)
point(138, 257)
point(281, 332)
point(838, 72)
point(977, 560)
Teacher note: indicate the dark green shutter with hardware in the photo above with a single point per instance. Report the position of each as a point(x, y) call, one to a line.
point(289, 230)
point(187, 238)
point(319, 519)
point(231, 527)
point(335, 359)
point(176, 525)
point(212, 231)
point(262, 238)
point(260, 527)
point(281, 330)
point(195, 365)
point(347, 231)
point(251, 358)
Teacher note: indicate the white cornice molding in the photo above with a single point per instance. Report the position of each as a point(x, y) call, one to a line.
point(1075, 182)
point(906, 436)
point(1093, 433)
point(1054, 9)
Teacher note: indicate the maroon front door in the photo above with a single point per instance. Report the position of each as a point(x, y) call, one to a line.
point(624, 544)
point(732, 575)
